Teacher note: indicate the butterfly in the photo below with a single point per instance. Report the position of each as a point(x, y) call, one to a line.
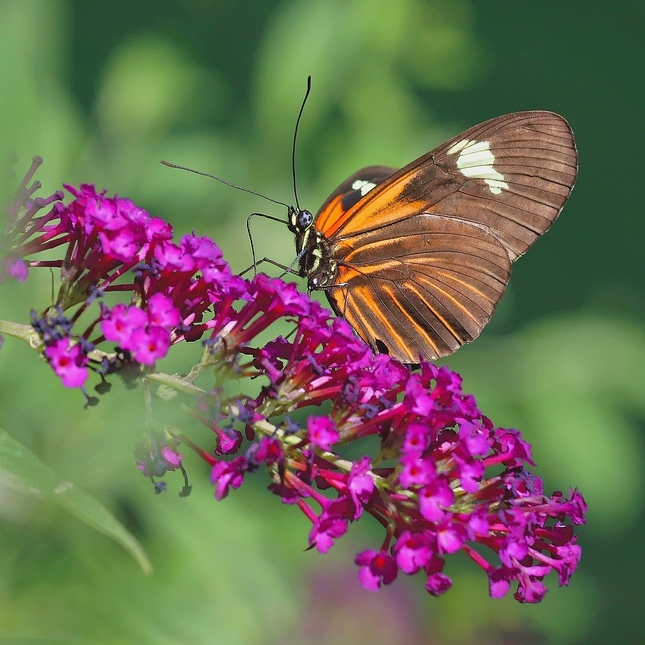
point(417, 259)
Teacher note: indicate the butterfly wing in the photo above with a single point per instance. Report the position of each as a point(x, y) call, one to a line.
point(424, 255)
point(350, 192)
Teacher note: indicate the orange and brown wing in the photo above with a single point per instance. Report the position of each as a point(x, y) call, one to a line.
point(425, 290)
point(424, 255)
point(349, 193)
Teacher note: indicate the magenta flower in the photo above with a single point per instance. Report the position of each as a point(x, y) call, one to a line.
point(119, 324)
point(150, 344)
point(445, 478)
point(376, 568)
point(325, 530)
point(162, 312)
point(15, 268)
point(434, 498)
point(227, 474)
point(322, 433)
point(360, 485)
point(413, 551)
point(68, 362)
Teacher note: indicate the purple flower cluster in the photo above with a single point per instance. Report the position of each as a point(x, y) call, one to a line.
point(114, 247)
point(445, 478)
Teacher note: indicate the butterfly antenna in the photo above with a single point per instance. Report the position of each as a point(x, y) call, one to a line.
point(295, 137)
point(227, 183)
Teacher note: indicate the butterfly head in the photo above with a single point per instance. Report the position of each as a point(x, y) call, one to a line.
point(299, 220)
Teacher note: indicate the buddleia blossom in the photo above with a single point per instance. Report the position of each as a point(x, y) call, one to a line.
point(111, 246)
point(445, 479)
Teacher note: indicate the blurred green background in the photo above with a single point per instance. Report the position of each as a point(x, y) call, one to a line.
point(104, 90)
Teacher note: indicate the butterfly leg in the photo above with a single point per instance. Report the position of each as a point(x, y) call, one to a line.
point(248, 230)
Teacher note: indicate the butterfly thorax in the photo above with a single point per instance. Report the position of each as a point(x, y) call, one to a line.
point(313, 250)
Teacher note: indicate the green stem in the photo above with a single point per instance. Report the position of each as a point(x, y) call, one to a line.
point(175, 382)
point(147, 400)
point(21, 332)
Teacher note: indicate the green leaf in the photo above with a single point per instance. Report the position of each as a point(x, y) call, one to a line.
point(24, 472)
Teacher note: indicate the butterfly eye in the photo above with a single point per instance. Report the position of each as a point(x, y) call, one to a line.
point(305, 219)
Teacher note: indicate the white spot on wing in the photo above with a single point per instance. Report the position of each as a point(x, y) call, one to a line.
point(363, 186)
point(457, 147)
point(476, 161)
